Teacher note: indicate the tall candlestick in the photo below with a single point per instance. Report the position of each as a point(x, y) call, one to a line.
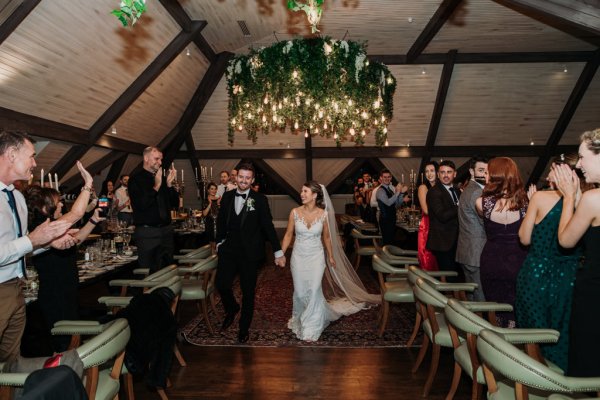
point(196, 170)
point(56, 181)
point(181, 176)
point(42, 178)
point(211, 173)
point(50, 179)
point(403, 179)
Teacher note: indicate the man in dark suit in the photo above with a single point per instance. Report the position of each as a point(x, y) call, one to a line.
point(442, 203)
point(243, 220)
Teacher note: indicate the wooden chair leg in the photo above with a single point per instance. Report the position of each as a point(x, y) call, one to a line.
point(476, 390)
point(213, 303)
point(384, 318)
point(413, 335)
point(455, 381)
point(128, 386)
point(422, 353)
point(179, 356)
point(206, 319)
point(435, 361)
point(162, 394)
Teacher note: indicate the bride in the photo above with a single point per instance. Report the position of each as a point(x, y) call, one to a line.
point(314, 225)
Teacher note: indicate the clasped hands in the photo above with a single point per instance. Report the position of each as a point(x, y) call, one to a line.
point(280, 261)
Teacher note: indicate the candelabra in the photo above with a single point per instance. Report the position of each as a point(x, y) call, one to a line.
point(202, 182)
point(412, 187)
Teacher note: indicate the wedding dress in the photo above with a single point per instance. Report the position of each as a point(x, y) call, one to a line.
point(312, 312)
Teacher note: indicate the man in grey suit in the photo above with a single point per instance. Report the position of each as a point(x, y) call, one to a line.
point(471, 233)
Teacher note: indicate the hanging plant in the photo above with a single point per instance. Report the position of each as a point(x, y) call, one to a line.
point(317, 85)
point(130, 11)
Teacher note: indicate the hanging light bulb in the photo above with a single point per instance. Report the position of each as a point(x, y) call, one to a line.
point(187, 52)
point(306, 134)
point(387, 143)
point(363, 133)
point(423, 72)
point(296, 125)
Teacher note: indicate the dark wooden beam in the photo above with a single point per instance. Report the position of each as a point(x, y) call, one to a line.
point(350, 170)
point(94, 168)
point(581, 15)
point(375, 152)
point(278, 179)
point(191, 155)
point(46, 129)
point(436, 22)
point(115, 169)
point(488, 58)
point(308, 157)
point(586, 77)
point(69, 159)
point(15, 19)
point(172, 142)
point(177, 12)
point(438, 108)
point(156, 67)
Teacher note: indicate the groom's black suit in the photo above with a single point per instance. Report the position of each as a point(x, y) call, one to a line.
point(242, 248)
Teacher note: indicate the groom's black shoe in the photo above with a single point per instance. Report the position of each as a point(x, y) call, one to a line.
point(229, 318)
point(243, 336)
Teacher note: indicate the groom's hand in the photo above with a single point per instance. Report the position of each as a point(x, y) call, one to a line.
point(280, 261)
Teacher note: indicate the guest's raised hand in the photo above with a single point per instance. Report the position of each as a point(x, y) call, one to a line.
point(401, 188)
point(87, 178)
point(531, 190)
point(97, 216)
point(171, 176)
point(566, 180)
point(158, 179)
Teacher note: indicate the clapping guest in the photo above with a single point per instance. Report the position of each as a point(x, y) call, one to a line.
point(545, 281)
point(502, 205)
point(57, 269)
point(583, 223)
point(426, 258)
point(122, 201)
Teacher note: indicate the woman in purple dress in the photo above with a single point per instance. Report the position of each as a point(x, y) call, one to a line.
point(502, 204)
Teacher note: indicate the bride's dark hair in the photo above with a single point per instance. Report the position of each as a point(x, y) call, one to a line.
point(315, 187)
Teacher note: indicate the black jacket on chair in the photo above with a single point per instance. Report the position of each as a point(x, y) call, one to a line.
point(443, 219)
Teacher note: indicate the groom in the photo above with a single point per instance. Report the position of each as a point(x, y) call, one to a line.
point(244, 217)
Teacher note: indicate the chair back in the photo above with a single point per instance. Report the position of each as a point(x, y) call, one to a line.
point(200, 252)
point(173, 283)
point(502, 357)
point(463, 319)
point(415, 273)
point(163, 273)
point(426, 294)
point(106, 345)
point(380, 265)
point(208, 264)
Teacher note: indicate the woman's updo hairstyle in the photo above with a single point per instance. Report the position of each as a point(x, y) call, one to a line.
point(40, 204)
point(592, 139)
point(315, 187)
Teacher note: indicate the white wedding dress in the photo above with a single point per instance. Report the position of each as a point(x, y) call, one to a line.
point(311, 312)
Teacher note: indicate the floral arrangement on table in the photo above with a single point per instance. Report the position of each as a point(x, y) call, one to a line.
point(313, 86)
point(129, 11)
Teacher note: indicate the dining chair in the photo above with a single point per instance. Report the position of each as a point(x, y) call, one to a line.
point(199, 286)
point(102, 358)
point(392, 251)
point(363, 250)
point(511, 373)
point(465, 320)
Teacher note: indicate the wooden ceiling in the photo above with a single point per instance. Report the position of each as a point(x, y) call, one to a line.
point(473, 75)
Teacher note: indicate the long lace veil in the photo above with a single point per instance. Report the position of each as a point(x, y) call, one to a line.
point(342, 281)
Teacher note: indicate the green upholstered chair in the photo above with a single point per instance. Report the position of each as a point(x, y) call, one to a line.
point(194, 256)
point(199, 286)
point(391, 251)
point(146, 282)
point(392, 291)
point(464, 319)
point(363, 250)
point(102, 358)
point(523, 377)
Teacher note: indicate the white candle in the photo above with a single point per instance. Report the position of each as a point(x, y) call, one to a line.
point(402, 178)
point(181, 176)
point(210, 172)
point(56, 181)
point(42, 178)
point(196, 170)
point(50, 179)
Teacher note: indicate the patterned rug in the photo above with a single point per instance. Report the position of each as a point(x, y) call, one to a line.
point(273, 308)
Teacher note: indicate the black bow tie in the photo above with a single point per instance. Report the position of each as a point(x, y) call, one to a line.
point(242, 195)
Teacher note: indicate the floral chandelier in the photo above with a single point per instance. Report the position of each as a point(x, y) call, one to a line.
point(317, 86)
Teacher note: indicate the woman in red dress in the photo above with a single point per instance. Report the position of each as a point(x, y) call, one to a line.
point(426, 258)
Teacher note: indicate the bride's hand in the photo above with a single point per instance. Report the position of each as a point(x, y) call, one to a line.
point(331, 261)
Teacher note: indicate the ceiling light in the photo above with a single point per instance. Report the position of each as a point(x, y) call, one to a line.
point(423, 72)
point(410, 19)
point(187, 52)
point(114, 130)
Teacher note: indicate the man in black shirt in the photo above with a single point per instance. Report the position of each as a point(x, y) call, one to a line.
point(152, 198)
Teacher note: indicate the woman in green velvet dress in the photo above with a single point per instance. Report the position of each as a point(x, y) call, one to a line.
point(545, 281)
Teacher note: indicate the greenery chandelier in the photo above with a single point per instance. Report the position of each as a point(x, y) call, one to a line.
point(317, 86)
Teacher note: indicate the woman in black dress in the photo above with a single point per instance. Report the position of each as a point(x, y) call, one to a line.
point(57, 269)
point(583, 224)
point(210, 214)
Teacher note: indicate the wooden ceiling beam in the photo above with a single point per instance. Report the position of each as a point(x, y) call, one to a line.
point(261, 164)
point(377, 152)
point(191, 155)
point(145, 79)
point(173, 141)
point(487, 58)
point(586, 77)
point(436, 22)
point(438, 108)
point(69, 159)
point(115, 169)
point(177, 12)
point(581, 15)
point(15, 19)
point(94, 168)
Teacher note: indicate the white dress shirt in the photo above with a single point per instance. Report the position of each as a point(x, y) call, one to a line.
point(221, 188)
point(240, 201)
point(12, 247)
point(123, 195)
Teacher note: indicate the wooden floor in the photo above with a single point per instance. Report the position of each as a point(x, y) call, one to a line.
point(303, 373)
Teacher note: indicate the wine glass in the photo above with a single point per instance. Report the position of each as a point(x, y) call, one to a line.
point(126, 239)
